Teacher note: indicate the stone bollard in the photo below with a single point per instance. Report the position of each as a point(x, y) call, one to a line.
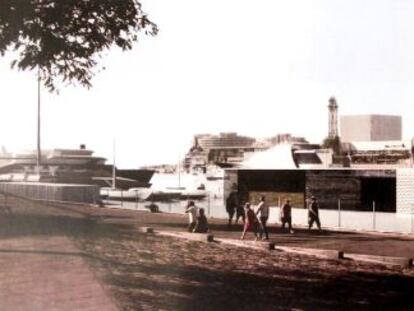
point(210, 237)
point(267, 245)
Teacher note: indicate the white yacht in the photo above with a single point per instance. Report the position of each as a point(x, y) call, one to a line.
point(68, 166)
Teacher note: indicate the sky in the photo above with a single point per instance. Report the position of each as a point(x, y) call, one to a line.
point(257, 68)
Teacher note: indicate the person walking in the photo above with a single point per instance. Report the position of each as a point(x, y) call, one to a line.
point(192, 212)
point(313, 213)
point(286, 215)
point(232, 203)
point(263, 210)
point(250, 221)
point(240, 214)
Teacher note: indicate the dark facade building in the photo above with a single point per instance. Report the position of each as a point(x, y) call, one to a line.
point(357, 189)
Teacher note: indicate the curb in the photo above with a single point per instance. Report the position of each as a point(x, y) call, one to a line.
point(402, 262)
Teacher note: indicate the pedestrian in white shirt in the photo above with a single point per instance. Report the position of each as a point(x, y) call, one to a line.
point(192, 212)
point(263, 210)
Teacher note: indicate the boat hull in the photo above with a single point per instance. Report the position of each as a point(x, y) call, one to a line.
point(133, 194)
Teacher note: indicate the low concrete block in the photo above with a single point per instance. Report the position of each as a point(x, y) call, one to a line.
point(321, 253)
point(146, 229)
point(403, 262)
point(332, 254)
point(204, 237)
point(326, 253)
point(251, 244)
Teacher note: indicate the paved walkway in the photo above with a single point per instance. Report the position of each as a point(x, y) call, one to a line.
point(47, 272)
point(42, 269)
point(380, 244)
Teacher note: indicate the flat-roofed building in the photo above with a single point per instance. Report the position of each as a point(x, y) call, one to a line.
point(370, 128)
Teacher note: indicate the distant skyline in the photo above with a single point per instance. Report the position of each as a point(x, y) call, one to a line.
point(257, 68)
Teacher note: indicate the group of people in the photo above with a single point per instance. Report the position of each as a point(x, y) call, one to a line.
point(257, 221)
point(197, 220)
point(258, 224)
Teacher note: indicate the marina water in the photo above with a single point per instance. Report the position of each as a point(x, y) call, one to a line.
point(213, 203)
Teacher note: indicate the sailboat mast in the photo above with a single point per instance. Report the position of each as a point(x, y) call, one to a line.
point(179, 173)
point(113, 167)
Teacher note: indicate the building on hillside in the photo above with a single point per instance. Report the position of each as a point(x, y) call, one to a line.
point(285, 138)
point(196, 158)
point(231, 149)
point(379, 153)
point(224, 149)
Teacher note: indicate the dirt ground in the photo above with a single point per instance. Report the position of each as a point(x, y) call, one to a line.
point(149, 272)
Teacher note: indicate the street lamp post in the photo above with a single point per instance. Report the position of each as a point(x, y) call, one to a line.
point(39, 154)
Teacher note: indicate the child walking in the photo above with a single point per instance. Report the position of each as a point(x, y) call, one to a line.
point(251, 221)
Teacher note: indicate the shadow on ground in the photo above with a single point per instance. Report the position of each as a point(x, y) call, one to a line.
point(150, 272)
point(178, 275)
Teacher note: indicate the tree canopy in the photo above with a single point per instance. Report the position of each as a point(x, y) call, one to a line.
point(333, 143)
point(64, 38)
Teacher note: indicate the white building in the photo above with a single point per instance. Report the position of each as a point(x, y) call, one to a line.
point(356, 128)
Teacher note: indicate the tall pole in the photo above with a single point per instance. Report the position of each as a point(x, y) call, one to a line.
point(39, 154)
point(179, 173)
point(113, 167)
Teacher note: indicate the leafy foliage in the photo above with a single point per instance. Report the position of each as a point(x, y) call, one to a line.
point(333, 143)
point(63, 38)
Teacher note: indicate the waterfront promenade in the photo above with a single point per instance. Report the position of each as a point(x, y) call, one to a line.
point(71, 257)
point(362, 242)
point(331, 219)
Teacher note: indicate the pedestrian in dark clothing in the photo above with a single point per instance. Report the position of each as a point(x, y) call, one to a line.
point(201, 225)
point(313, 213)
point(231, 204)
point(286, 215)
point(240, 214)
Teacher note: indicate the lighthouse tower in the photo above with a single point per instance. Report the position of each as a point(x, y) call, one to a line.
point(333, 118)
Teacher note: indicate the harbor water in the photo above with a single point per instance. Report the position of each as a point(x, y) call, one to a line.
point(213, 203)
